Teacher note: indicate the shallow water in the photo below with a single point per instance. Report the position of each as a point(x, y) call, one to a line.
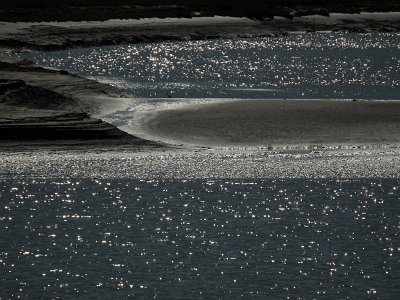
point(170, 238)
point(309, 66)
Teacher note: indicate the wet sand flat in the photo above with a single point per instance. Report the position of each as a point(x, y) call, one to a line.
point(277, 123)
point(64, 35)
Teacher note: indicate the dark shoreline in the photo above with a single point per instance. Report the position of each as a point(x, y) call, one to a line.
point(33, 113)
point(101, 10)
point(67, 35)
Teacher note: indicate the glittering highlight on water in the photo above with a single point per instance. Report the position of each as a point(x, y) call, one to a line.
point(201, 223)
point(185, 239)
point(325, 65)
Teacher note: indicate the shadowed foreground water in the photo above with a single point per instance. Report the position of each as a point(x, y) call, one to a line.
point(168, 239)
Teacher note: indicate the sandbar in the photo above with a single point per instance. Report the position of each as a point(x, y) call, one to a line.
point(279, 123)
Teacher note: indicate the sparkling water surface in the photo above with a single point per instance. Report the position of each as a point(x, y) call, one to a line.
point(325, 65)
point(197, 225)
point(211, 224)
point(169, 239)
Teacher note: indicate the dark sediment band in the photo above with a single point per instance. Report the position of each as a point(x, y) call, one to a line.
point(39, 112)
point(57, 36)
point(59, 127)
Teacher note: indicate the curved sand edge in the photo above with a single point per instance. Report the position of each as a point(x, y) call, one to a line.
point(54, 108)
point(278, 123)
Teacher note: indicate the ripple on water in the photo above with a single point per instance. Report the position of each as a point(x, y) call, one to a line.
point(114, 238)
point(328, 65)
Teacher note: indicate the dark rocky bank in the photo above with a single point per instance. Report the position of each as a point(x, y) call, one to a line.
point(100, 10)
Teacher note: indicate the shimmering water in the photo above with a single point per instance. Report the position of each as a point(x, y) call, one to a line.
point(170, 239)
point(211, 224)
point(173, 225)
point(327, 65)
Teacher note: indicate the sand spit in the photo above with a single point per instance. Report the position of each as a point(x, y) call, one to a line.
point(39, 105)
point(79, 94)
point(279, 123)
point(62, 35)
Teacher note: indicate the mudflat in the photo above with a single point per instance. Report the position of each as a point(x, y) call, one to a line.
point(279, 123)
point(81, 10)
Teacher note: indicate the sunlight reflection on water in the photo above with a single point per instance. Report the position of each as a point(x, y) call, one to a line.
point(200, 238)
point(216, 224)
point(328, 65)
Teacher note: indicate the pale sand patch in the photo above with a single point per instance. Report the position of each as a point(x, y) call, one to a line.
point(10, 27)
point(15, 27)
point(279, 123)
point(63, 35)
point(363, 16)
